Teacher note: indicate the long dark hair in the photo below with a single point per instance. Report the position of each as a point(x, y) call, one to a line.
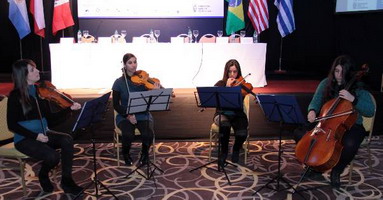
point(348, 70)
point(227, 67)
point(19, 77)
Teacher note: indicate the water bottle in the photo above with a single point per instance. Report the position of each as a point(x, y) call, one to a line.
point(255, 37)
point(79, 36)
point(190, 35)
point(151, 34)
point(232, 37)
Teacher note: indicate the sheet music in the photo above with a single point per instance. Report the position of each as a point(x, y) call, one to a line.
point(139, 101)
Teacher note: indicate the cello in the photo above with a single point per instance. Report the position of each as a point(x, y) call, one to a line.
point(320, 148)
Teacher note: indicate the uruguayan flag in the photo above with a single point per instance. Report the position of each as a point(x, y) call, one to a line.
point(285, 18)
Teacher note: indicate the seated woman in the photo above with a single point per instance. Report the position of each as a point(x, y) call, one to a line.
point(127, 123)
point(331, 87)
point(235, 118)
point(28, 116)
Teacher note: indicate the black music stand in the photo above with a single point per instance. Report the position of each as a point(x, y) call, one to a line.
point(93, 112)
point(219, 98)
point(145, 101)
point(282, 109)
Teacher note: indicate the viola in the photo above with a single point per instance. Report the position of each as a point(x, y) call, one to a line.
point(321, 147)
point(246, 88)
point(48, 91)
point(141, 77)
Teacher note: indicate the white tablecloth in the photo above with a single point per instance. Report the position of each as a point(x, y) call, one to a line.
point(175, 65)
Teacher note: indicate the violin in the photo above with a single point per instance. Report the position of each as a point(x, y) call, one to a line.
point(246, 88)
point(141, 77)
point(321, 147)
point(48, 91)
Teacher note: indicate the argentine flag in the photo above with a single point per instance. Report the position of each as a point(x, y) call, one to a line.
point(19, 17)
point(235, 20)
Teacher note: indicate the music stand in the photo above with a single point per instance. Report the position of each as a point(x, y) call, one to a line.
point(219, 98)
point(282, 109)
point(92, 112)
point(145, 101)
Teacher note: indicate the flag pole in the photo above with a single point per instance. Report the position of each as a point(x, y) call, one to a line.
point(280, 71)
point(41, 54)
point(21, 49)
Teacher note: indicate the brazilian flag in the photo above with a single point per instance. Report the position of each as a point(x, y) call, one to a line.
point(235, 20)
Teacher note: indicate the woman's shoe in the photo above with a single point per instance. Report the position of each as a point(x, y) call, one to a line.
point(335, 178)
point(45, 182)
point(235, 157)
point(128, 160)
point(70, 187)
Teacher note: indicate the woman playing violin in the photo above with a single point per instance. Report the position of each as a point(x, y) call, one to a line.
point(127, 123)
point(331, 87)
point(231, 118)
point(28, 116)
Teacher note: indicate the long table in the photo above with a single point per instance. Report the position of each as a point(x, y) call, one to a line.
point(187, 65)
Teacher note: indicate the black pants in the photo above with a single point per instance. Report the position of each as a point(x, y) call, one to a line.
point(351, 143)
point(239, 123)
point(47, 153)
point(127, 129)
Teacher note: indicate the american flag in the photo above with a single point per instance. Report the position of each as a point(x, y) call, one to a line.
point(259, 15)
point(285, 18)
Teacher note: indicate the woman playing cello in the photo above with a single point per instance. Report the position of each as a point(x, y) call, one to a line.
point(334, 86)
point(127, 123)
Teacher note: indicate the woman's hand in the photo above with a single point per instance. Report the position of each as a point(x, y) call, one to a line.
point(229, 82)
point(344, 94)
point(132, 119)
point(311, 116)
point(42, 138)
point(75, 106)
point(156, 86)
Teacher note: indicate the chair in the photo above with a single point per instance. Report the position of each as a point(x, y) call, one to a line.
point(117, 143)
point(236, 38)
point(88, 39)
point(207, 38)
point(117, 38)
point(185, 36)
point(214, 130)
point(368, 124)
point(9, 150)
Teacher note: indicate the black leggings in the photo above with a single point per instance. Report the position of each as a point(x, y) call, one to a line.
point(239, 123)
point(128, 129)
point(47, 153)
point(351, 143)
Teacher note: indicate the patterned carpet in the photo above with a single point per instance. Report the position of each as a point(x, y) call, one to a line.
point(176, 159)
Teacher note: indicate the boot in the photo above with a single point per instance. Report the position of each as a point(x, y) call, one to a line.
point(45, 182)
point(69, 186)
point(335, 178)
point(235, 156)
point(128, 160)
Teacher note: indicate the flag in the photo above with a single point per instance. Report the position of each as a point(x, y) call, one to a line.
point(18, 15)
point(62, 16)
point(259, 15)
point(235, 20)
point(37, 9)
point(285, 18)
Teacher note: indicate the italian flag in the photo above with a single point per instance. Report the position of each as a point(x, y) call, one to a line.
point(62, 16)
